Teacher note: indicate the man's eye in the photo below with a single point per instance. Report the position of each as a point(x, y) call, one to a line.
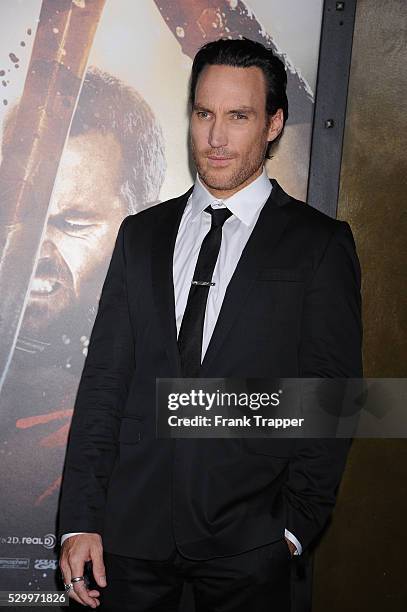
point(76, 226)
point(71, 226)
point(239, 116)
point(203, 114)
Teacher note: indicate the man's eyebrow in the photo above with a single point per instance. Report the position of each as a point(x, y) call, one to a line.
point(243, 109)
point(76, 213)
point(199, 107)
point(238, 109)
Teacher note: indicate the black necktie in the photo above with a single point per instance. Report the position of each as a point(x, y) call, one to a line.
point(191, 331)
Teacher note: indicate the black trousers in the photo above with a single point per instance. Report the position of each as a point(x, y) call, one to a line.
point(256, 581)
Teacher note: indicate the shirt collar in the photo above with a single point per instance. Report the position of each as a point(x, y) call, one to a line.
point(244, 204)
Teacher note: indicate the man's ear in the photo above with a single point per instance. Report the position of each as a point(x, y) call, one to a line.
point(275, 125)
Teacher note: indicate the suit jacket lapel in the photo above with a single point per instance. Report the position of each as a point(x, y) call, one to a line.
point(164, 236)
point(266, 233)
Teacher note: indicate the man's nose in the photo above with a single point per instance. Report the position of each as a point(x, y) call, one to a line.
point(218, 134)
point(48, 248)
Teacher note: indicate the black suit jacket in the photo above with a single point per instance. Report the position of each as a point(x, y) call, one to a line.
point(292, 309)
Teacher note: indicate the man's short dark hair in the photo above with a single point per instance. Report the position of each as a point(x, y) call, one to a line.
point(108, 106)
point(245, 53)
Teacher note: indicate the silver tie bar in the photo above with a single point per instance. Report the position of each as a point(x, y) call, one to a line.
point(203, 283)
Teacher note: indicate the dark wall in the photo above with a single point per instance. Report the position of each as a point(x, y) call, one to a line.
point(360, 564)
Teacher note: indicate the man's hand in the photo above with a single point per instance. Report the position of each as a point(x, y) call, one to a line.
point(291, 546)
point(76, 550)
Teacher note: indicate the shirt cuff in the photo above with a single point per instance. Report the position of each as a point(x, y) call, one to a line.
point(294, 540)
point(68, 535)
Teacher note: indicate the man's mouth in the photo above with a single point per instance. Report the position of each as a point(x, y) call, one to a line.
point(44, 286)
point(219, 161)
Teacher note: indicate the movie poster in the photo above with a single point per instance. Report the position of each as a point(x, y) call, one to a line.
point(94, 127)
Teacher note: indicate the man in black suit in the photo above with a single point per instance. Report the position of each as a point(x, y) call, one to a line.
point(232, 279)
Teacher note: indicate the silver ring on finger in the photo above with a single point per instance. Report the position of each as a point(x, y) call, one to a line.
point(77, 578)
point(68, 587)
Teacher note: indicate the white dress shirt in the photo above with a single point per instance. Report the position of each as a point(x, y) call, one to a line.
point(246, 206)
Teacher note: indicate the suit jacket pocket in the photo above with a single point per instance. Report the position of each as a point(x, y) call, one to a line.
point(274, 447)
point(130, 431)
point(282, 274)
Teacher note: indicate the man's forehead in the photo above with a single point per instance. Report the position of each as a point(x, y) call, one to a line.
point(93, 146)
point(89, 174)
point(88, 160)
point(231, 85)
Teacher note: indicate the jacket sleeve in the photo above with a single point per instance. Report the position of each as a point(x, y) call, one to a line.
point(102, 392)
point(331, 346)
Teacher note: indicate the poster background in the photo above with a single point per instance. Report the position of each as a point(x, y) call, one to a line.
point(130, 30)
point(133, 44)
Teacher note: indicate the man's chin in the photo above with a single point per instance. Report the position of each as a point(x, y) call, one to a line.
point(220, 180)
point(42, 321)
point(39, 326)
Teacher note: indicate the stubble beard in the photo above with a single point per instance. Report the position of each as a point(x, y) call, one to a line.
point(232, 179)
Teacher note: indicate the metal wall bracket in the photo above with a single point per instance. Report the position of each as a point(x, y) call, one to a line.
point(330, 104)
